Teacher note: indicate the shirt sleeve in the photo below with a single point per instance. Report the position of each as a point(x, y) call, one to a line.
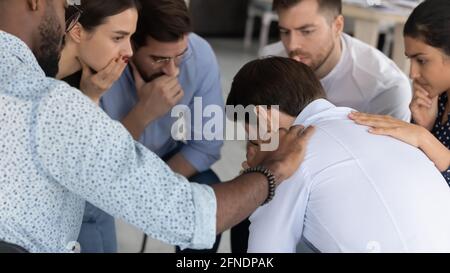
point(81, 148)
point(394, 100)
point(205, 152)
point(278, 226)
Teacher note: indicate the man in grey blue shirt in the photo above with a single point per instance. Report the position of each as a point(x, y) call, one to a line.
point(171, 66)
point(59, 150)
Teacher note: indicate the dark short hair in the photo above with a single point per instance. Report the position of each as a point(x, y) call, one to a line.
point(332, 6)
point(95, 12)
point(276, 81)
point(162, 20)
point(430, 22)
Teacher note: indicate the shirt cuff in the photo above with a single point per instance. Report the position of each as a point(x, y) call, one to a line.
point(199, 160)
point(205, 206)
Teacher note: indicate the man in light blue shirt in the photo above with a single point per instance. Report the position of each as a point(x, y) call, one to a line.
point(58, 150)
point(176, 67)
point(198, 78)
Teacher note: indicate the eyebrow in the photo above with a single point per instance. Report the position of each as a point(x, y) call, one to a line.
point(414, 55)
point(122, 32)
point(163, 57)
point(301, 27)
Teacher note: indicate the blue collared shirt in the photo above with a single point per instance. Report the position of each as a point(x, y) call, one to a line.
point(58, 149)
point(200, 78)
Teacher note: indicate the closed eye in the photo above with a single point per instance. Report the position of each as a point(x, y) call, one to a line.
point(420, 61)
point(118, 39)
point(253, 143)
point(283, 31)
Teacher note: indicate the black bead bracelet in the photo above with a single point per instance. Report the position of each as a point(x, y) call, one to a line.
point(270, 179)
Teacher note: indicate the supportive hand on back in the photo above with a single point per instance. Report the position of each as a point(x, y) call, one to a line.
point(389, 126)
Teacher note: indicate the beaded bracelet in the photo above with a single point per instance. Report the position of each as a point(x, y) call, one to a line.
point(270, 179)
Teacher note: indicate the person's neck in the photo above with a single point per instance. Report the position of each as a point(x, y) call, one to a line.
point(447, 106)
point(68, 64)
point(332, 60)
point(24, 34)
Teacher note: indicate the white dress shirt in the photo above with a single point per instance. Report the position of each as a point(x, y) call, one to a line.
point(355, 192)
point(364, 79)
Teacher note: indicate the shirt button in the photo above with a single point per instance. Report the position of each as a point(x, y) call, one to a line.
point(73, 247)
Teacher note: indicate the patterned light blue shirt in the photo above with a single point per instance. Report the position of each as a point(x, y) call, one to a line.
point(200, 78)
point(58, 149)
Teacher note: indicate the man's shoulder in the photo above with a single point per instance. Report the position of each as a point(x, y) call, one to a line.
point(62, 92)
point(200, 58)
point(200, 47)
point(369, 60)
point(372, 71)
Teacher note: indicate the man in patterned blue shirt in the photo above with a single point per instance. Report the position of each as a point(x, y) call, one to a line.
point(58, 150)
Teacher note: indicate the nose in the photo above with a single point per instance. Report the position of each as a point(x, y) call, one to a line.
point(293, 42)
point(127, 50)
point(414, 73)
point(171, 69)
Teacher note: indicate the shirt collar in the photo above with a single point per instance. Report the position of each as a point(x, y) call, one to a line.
point(12, 45)
point(312, 112)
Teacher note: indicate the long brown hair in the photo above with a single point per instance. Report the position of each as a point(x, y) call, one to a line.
point(95, 12)
point(430, 22)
